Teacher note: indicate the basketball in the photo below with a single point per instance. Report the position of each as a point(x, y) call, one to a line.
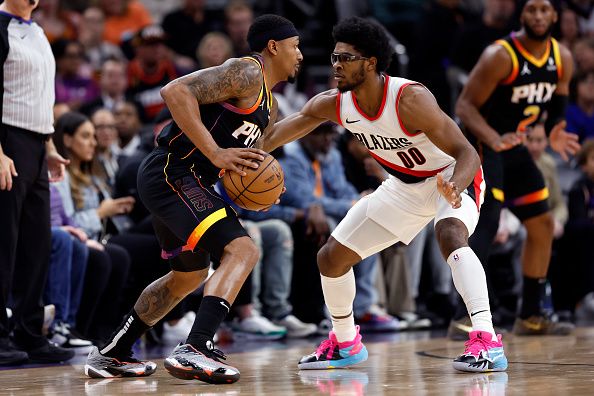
point(259, 189)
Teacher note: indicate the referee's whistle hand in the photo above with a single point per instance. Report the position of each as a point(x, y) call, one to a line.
point(7, 172)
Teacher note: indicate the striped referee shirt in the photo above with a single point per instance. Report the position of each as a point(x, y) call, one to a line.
point(27, 72)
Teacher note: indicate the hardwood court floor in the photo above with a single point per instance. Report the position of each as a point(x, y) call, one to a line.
point(402, 364)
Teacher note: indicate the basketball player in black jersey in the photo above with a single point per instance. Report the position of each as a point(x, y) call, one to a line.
point(218, 115)
point(516, 81)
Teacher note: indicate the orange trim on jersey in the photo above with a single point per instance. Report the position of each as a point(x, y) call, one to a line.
point(531, 58)
point(514, 58)
point(418, 173)
point(381, 109)
point(398, 111)
point(204, 225)
point(234, 109)
point(557, 56)
point(338, 108)
point(531, 198)
point(175, 137)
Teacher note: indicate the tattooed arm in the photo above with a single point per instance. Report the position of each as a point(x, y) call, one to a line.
point(236, 80)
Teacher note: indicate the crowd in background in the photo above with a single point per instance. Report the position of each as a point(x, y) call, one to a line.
point(114, 56)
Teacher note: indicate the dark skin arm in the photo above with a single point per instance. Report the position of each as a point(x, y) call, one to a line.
point(560, 140)
point(494, 66)
point(318, 109)
point(445, 134)
point(237, 81)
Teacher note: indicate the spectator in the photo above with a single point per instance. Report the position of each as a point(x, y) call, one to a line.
point(123, 18)
point(25, 144)
point(583, 53)
point(476, 34)
point(112, 84)
point(97, 51)
point(569, 28)
point(580, 113)
point(65, 281)
point(238, 18)
point(105, 162)
point(128, 127)
point(537, 143)
point(56, 21)
point(150, 70)
point(214, 49)
point(186, 26)
point(72, 86)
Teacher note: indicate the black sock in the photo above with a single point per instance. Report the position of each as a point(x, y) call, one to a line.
point(211, 313)
point(532, 293)
point(121, 341)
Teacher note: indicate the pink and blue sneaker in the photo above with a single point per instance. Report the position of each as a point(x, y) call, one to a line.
point(333, 354)
point(482, 354)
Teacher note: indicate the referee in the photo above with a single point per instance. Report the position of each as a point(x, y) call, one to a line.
point(27, 71)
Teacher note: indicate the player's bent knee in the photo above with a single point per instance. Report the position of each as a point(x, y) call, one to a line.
point(451, 234)
point(244, 250)
point(335, 256)
point(186, 282)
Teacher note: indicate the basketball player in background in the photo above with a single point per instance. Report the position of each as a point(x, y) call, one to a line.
point(516, 81)
point(434, 175)
point(218, 115)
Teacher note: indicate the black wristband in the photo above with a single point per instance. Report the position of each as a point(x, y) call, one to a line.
point(556, 111)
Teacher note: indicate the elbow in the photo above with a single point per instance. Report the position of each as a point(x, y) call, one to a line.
point(170, 90)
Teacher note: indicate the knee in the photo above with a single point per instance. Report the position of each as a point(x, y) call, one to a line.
point(331, 259)
point(543, 224)
point(183, 283)
point(451, 234)
point(245, 251)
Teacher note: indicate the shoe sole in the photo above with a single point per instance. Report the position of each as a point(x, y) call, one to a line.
point(189, 373)
point(92, 372)
point(332, 364)
point(470, 369)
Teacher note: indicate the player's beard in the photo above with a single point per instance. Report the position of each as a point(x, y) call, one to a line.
point(358, 78)
point(292, 79)
point(537, 37)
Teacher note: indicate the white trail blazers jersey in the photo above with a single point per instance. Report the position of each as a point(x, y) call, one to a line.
point(411, 157)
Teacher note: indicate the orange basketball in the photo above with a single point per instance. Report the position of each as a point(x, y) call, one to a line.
point(260, 188)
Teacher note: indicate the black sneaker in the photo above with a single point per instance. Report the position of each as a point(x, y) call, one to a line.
point(9, 354)
point(100, 366)
point(50, 353)
point(187, 362)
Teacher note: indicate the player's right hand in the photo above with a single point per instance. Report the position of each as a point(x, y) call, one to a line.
point(507, 141)
point(7, 172)
point(231, 159)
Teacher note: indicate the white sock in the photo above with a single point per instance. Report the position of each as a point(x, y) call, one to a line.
point(471, 283)
point(339, 294)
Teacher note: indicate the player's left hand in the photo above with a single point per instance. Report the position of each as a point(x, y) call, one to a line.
point(56, 165)
point(564, 142)
point(449, 191)
point(275, 202)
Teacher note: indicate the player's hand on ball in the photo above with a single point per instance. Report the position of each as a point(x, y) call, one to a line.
point(564, 142)
point(232, 158)
point(449, 191)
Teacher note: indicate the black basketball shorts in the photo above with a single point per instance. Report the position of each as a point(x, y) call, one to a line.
point(514, 179)
point(192, 222)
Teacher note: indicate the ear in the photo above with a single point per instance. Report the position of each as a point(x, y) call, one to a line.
point(67, 140)
point(272, 47)
point(372, 65)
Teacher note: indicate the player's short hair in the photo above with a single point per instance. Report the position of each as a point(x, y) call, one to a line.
point(269, 27)
point(587, 148)
point(367, 37)
point(520, 4)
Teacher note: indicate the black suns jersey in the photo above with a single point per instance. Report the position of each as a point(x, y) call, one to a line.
point(229, 126)
point(519, 101)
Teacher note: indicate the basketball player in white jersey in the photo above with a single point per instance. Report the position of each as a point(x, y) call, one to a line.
point(435, 175)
